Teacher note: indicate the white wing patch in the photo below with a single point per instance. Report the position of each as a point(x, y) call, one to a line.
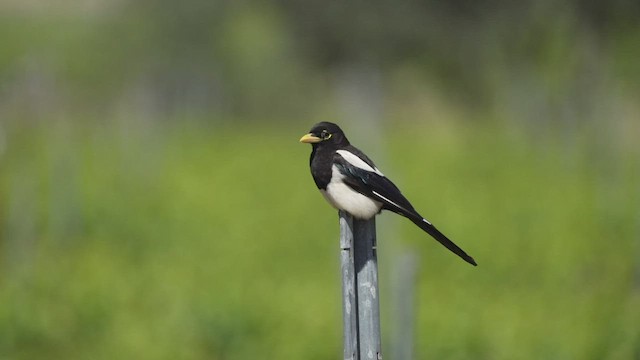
point(382, 197)
point(357, 162)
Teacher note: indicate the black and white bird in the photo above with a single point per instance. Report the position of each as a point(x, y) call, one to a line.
point(350, 181)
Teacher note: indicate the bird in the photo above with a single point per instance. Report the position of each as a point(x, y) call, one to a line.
point(350, 181)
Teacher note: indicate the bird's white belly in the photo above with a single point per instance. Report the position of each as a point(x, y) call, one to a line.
point(343, 197)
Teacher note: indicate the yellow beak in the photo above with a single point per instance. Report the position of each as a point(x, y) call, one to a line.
point(310, 138)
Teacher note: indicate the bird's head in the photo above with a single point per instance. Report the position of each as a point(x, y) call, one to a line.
point(325, 133)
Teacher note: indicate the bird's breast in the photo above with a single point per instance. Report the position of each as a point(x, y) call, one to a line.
point(343, 197)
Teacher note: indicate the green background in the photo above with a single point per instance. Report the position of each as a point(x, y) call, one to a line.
point(155, 202)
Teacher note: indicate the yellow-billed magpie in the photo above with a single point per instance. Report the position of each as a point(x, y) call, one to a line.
point(350, 181)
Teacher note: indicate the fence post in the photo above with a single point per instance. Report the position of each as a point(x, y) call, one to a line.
point(360, 305)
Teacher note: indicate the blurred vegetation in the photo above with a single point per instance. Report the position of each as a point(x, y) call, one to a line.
point(155, 203)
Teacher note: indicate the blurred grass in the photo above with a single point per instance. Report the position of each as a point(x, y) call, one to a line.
point(193, 242)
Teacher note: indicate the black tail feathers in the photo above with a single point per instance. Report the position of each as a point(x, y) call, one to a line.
point(442, 239)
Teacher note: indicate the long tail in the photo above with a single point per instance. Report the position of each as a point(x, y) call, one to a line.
point(442, 239)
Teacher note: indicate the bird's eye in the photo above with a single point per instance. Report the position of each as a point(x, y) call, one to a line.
point(325, 135)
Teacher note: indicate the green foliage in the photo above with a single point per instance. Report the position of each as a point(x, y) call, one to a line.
point(211, 242)
point(151, 207)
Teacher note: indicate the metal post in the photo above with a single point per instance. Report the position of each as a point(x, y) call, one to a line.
point(349, 306)
point(360, 305)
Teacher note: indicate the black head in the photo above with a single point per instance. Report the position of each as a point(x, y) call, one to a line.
point(325, 133)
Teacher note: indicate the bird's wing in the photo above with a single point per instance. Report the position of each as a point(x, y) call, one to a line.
point(366, 179)
point(362, 176)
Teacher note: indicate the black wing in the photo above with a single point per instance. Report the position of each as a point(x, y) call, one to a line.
point(374, 185)
point(381, 189)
